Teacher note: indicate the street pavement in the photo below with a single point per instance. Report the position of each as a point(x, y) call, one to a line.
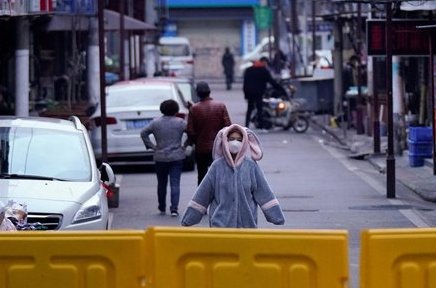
point(420, 180)
point(318, 185)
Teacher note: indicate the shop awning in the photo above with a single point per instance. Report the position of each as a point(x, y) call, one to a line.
point(111, 20)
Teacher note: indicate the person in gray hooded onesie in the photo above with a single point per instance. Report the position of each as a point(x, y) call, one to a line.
point(234, 186)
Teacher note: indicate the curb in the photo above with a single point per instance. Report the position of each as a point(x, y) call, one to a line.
point(329, 131)
point(421, 192)
point(427, 194)
point(372, 160)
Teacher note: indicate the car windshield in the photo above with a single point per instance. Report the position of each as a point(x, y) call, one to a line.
point(32, 153)
point(143, 96)
point(174, 50)
point(186, 90)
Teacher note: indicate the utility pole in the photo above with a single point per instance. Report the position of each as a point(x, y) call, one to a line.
point(313, 30)
point(294, 24)
point(375, 103)
point(122, 37)
point(150, 48)
point(269, 34)
point(101, 55)
point(338, 69)
point(359, 103)
point(390, 159)
point(92, 61)
point(22, 68)
point(277, 17)
point(304, 28)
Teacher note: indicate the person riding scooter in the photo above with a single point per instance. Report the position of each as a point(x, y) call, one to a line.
point(256, 79)
point(280, 109)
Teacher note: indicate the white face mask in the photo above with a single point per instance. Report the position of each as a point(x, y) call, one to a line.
point(235, 146)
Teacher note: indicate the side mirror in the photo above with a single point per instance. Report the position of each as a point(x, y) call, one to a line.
point(107, 175)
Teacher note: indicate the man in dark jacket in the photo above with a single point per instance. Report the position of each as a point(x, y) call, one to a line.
point(205, 119)
point(256, 78)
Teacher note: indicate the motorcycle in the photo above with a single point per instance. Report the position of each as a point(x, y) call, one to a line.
point(282, 110)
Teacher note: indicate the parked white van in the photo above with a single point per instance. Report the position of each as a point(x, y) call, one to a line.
point(176, 57)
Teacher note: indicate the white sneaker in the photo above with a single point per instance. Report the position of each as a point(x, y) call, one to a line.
point(174, 214)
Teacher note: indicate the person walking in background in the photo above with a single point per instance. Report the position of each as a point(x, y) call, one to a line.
point(228, 63)
point(349, 80)
point(279, 61)
point(169, 153)
point(256, 78)
point(235, 185)
point(205, 119)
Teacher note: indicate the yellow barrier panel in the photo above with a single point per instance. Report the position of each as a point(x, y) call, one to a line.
point(400, 258)
point(254, 258)
point(72, 259)
point(174, 257)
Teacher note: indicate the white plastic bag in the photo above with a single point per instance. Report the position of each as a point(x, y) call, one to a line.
point(16, 212)
point(5, 223)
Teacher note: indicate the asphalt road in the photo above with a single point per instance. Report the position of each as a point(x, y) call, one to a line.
point(318, 187)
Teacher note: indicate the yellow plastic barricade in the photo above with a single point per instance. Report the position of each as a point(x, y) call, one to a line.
point(398, 258)
point(39, 259)
point(252, 258)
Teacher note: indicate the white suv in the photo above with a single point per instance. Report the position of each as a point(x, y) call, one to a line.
point(48, 165)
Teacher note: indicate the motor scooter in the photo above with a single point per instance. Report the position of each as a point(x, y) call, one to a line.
point(282, 110)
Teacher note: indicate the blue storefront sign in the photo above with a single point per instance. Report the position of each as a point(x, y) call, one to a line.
point(83, 7)
point(211, 3)
point(170, 29)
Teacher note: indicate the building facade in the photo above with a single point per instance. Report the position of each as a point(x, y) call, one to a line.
point(50, 58)
point(211, 26)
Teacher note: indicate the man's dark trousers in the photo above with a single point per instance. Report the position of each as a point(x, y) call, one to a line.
point(203, 161)
point(254, 101)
